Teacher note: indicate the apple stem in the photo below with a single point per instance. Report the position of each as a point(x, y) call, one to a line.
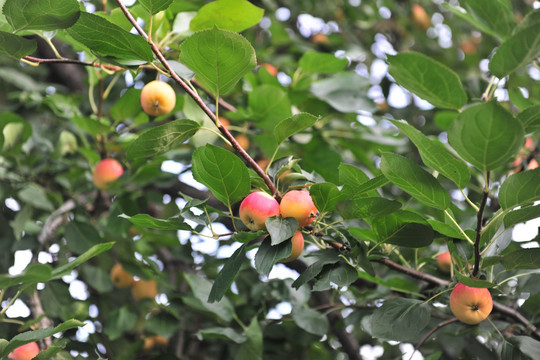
point(195, 96)
point(479, 220)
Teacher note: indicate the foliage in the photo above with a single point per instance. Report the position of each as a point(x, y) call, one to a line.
point(411, 142)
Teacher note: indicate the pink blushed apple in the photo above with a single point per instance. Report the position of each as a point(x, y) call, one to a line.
point(255, 208)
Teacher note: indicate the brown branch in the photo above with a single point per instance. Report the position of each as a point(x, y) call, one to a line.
point(503, 309)
point(74, 61)
point(195, 96)
point(479, 220)
point(432, 331)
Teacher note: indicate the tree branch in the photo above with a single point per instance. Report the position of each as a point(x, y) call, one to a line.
point(195, 96)
point(479, 220)
point(73, 61)
point(432, 331)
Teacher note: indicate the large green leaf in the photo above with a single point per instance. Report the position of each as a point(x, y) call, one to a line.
point(280, 229)
point(252, 348)
point(521, 215)
point(106, 39)
point(530, 119)
point(163, 138)
point(294, 124)
point(326, 196)
point(428, 78)
point(148, 221)
point(201, 290)
point(16, 46)
point(366, 207)
point(345, 92)
point(33, 274)
point(232, 15)
point(313, 62)
point(436, 156)
point(270, 105)
point(269, 254)
point(41, 15)
point(498, 17)
point(218, 58)
point(222, 172)
point(486, 135)
point(414, 180)
point(155, 6)
point(519, 49)
point(36, 335)
point(403, 228)
point(310, 320)
point(227, 274)
point(92, 252)
point(522, 259)
point(520, 188)
point(400, 319)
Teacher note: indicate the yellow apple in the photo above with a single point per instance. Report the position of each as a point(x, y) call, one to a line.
point(470, 305)
point(120, 277)
point(255, 208)
point(444, 262)
point(297, 246)
point(158, 98)
point(144, 289)
point(299, 205)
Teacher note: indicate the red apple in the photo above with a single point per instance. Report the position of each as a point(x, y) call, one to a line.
point(470, 305)
point(25, 352)
point(299, 205)
point(297, 246)
point(444, 262)
point(106, 172)
point(255, 208)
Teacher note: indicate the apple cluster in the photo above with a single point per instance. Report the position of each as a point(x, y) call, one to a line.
point(140, 289)
point(258, 206)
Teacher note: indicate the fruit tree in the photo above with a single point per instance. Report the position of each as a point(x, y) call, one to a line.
point(233, 179)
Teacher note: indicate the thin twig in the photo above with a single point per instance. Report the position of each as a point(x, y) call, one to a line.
point(431, 332)
point(74, 61)
point(479, 220)
point(195, 96)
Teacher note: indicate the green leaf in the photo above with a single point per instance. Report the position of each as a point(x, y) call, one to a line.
point(465, 280)
point(267, 255)
point(357, 184)
point(201, 290)
point(400, 319)
point(33, 194)
point(310, 320)
point(403, 228)
point(252, 349)
point(127, 106)
point(530, 119)
point(218, 58)
point(414, 180)
point(90, 126)
point(324, 258)
point(227, 274)
point(436, 156)
point(498, 17)
point(119, 322)
point(81, 236)
point(221, 333)
point(449, 230)
point(288, 127)
point(528, 259)
point(486, 135)
point(36, 335)
point(520, 49)
point(521, 215)
point(41, 15)
point(345, 92)
point(532, 304)
point(520, 189)
point(280, 229)
point(155, 6)
point(325, 196)
point(15, 132)
point(16, 46)
point(232, 15)
point(222, 172)
point(527, 345)
point(269, 105)
point(368, 207)
point(148, 221)
point(163, 138)
point(340, 274)
point(33, 274)
point(92, 252)
point(106, 39)
point(428, 78)
point(313, 62)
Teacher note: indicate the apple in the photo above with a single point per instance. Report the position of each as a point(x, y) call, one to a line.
point(243, 141)
point(272, 70)
point(151, 342)
point(107, 171)
point(120, 277)
point(420, 17)
point(297, 246)
point(158, 98)
point(444, 262)
point(255, 208)
point(224, 121)
point(299, 205)
point(25, 352)
point(470, 305)
point(144, 289)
